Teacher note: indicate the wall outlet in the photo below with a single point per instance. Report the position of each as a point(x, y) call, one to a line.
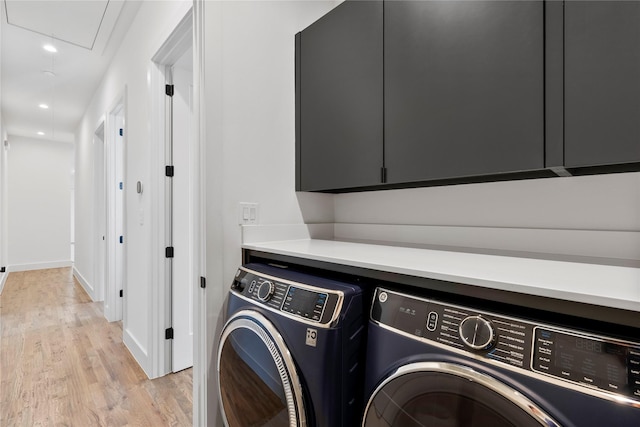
point(247, 213)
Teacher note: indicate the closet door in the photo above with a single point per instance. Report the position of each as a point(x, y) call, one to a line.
point(463, 88)
point(602, 82)
point(339, 99)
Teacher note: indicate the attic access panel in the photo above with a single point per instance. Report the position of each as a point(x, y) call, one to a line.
point(75, 22)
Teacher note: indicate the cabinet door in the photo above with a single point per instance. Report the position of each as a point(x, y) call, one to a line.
point(602, 82)
point(339, 98)
point(463, 88)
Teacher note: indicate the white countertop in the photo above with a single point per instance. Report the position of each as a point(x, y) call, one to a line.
point(605, 285)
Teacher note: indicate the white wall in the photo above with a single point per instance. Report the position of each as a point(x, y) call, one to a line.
point(39, 182)
point(130, 68)
point(588, 216)
point(596, 202)
point(250, 137)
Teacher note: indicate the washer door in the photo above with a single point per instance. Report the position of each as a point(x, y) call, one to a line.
point(433, 394)
point(257, 379)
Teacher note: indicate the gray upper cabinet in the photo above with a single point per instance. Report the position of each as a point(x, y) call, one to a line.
point(464, 86)
point(406, 93)
point(602, 82)
point(339, 112)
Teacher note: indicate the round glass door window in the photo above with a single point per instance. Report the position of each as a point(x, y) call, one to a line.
point(444, 395)
point(256, 382)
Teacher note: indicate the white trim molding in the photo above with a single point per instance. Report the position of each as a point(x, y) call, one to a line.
point(39, 266)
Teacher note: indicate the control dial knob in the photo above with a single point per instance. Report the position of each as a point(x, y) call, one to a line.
point(265, 291)
point(477, 333)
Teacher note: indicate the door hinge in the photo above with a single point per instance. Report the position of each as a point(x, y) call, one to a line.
point(3, 269)
point(168, 171)
point(121, 239)
point(203, 282)
point(120, 185)
point(121, 132)
point(383, 175)
point(168, 252)
point(121, 293)
point(168, 90)
point(168, 334)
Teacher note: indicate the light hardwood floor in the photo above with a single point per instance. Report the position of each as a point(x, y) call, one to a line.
point(63, 364)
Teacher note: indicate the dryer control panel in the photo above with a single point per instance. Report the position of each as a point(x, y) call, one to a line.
point(558, 354)
point(311, 304)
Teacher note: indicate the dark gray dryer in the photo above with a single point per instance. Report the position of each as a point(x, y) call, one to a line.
point(432, 364)
point(290, 353)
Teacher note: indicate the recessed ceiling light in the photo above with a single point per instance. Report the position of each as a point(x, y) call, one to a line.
point(50, 48)
point(40, 133)
point(43, 106)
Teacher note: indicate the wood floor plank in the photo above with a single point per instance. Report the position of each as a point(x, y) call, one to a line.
point(63, 364)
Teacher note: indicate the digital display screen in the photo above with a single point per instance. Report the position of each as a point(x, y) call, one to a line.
point(589, 361)
point(304, 303)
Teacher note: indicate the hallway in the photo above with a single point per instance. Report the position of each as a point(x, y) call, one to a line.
point(63, 364)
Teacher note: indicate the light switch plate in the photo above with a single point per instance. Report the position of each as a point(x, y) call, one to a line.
point(248, 213)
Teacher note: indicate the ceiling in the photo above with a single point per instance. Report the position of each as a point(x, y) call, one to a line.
point(86, 34)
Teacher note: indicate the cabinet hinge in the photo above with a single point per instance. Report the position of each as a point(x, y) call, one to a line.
point(168, 90)
point(121, 293)
point(168, 171)
point(168, 334)
point(383, 175)
point(203, 282)
point(168, 252)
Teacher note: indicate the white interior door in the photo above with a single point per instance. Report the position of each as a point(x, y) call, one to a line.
point(182, 217)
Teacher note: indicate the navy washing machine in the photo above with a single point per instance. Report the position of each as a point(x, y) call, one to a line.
point(432, 364)
point(290, 353)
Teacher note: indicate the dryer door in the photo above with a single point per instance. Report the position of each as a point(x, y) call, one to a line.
point(442, 395)
point(257, 380)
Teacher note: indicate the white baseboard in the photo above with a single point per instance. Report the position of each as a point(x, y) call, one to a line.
point(3, 279)
point(39, 266)
point(137, 351)
point(84, 283)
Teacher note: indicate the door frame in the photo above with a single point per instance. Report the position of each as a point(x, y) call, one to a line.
point(160, 314)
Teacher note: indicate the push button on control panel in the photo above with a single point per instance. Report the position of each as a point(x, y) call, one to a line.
point(252, 286)
point(432, 321)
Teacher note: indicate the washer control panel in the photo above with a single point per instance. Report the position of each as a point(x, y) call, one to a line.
point(574, 357)
point(297, 299)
